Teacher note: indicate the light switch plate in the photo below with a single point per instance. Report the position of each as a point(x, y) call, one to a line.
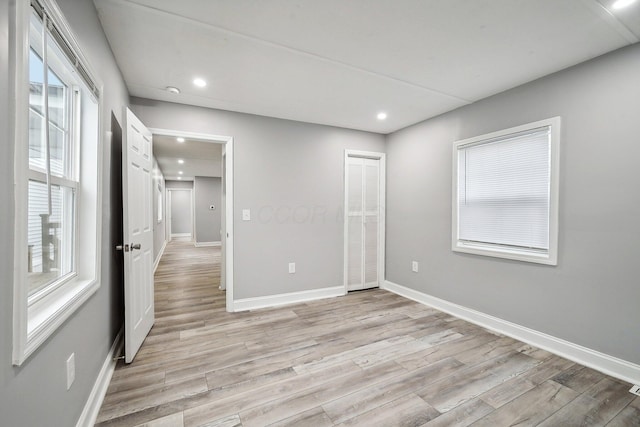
point(292, 267)
point(414, 266)
point(246, 214)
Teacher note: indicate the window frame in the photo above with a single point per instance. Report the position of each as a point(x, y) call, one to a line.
point(549, 257)
point(36, 318)
point(70, 178)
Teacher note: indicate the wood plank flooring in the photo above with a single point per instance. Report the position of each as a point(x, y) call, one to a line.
point(371, 358)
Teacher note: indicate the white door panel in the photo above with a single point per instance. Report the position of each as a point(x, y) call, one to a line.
point(137, 164)
point(363, 222)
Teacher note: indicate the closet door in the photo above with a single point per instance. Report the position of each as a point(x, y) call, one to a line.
point(371, 222)
point(362, 223)
point(355, 235)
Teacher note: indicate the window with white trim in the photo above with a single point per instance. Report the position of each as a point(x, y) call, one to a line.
point(57, 176)
point(505, 200)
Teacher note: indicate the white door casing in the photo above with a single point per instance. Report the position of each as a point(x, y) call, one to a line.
point(223, 221)
point(364, 222)
point(227, 152)
point(169, 218)
point(137, 165)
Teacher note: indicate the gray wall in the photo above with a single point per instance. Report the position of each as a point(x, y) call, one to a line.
point(290, 175)
point(159, 227)
point(592, 296)
point(179, 184)
point(35, 394)
point(207, 191)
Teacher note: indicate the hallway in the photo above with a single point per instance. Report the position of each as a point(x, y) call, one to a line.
point(187, 297)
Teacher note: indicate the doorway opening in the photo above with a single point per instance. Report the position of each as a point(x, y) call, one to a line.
point(180, 221)
point(226, 206)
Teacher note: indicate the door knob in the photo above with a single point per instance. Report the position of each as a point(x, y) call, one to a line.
point(135, 246)
point(124, 248)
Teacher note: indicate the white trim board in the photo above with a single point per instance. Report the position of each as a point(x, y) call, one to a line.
point(180, 234)
point(602, 362)
point(288, 298)
point(159, 257)
point(204, 244)
point(96, 397)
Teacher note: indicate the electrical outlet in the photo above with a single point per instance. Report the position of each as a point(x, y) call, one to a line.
point(292, 267)
point(414, 266)
point(635, 390)
point(71, 370)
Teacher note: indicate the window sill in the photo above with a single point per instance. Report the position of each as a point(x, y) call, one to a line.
point(546, 258)
point(48, 313)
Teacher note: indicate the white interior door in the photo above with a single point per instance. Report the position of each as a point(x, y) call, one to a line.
point(364, 237)
point(137, 164)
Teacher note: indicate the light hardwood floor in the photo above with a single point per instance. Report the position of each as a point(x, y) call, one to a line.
point(371, 358)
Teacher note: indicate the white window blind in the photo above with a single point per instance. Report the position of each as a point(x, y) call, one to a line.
point(505, 193)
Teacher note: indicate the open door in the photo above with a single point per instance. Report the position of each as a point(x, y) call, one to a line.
point(137, 197)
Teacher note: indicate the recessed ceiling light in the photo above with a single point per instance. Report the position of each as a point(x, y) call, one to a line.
point(622, 4)
point(381, 116)
point(172, 89)
point(181, 161)
point(180, 139)
point(179, 172)
point(199, 82)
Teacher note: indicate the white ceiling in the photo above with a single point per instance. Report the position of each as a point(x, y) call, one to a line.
point(340, 62)
point(201, 158)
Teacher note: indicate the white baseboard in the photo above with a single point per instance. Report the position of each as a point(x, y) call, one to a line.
point(159, 257)
point(203, 244)
point(602, 362)
point(99, 390)
point(290, 298)
point(180, 235)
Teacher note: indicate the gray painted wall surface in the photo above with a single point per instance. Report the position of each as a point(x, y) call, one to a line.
point(207, 191)
point(35, 394)
point(159, 227)
point(290, 175)
point(592, 296)
point(179, 184)
point(181, 212)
